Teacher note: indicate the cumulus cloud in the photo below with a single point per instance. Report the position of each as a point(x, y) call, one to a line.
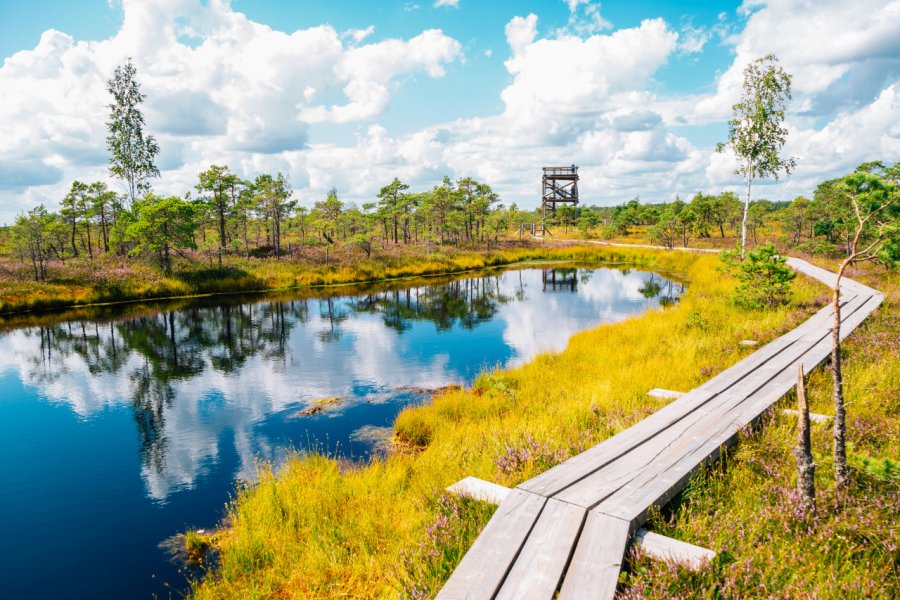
point(693, 39)
point(216, 82)
point(222, 88)
point(368, 70)
point(446, 4)
point(819, 46)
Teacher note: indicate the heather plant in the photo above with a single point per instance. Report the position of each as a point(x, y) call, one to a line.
point(519, 454)
point(428, 563)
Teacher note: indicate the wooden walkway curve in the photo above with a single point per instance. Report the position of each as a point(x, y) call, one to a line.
point(567, 529)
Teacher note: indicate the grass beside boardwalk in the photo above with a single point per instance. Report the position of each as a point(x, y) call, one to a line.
point(321, 528)
point(745, 506)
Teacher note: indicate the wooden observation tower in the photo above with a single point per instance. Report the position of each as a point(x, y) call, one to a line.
point(560, 185)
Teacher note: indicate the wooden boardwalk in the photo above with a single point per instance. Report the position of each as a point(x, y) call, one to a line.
point(567, 529)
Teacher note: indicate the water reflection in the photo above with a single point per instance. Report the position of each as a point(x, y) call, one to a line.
point(141, 421)
point(189, 375)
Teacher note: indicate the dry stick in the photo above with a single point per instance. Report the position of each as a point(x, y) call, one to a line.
point(806, 468)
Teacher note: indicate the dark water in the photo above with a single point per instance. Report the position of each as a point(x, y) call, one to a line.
point(118, 432)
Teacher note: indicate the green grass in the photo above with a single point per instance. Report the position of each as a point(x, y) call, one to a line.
point(322, 528)
point(745, 507)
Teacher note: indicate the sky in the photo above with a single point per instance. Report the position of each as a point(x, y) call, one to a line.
point(352, 93)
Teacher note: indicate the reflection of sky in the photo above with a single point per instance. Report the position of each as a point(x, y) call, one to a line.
point(365, 362)
point(91, 447)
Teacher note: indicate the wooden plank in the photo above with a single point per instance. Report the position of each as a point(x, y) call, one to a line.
point(658, 485)
point(657, 453)
point(480, 490)
point(594, 569)
point(665, 394)
point(485, 565)
point(539, 567)
point(852, 314)
point(668, 549)
point(576, 468)
point(852, 321)
point(814, 417)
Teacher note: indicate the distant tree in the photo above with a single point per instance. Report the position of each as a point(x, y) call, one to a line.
point(870, 198)
point(31, 235)
point(273, 198)
point(163, 225)
point(441, 205)
point(104, 207)
point(131, 153)
point(675, 223)
point(391, 207)
point(794, 218)
point(329, 214)
point(725, 206)
point(76, 212)
point(703, 208)
point(756, 133)
point(220, 184)
point(364, 243)
point(757, 216)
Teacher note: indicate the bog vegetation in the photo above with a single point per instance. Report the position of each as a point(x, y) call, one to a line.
point(322, 527)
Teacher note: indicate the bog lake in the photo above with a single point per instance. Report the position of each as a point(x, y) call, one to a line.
point(122, 427)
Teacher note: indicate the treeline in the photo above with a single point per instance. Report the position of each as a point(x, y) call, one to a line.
point(225, 214)
point(825, 224)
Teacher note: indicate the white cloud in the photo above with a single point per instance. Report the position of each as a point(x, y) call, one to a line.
point(573, 79)
point(819, 46)
point(235, 87)
point(693, 39)
point(584, 21)
point(446, 4)
point(574, 4)
point(520, 32)
point(245, 94)
point(358, 35)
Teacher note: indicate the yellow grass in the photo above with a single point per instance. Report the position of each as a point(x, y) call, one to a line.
point(319, 528)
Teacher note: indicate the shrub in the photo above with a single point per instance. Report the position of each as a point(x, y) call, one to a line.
point(765, 279)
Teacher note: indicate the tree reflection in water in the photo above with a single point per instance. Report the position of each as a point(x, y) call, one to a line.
point(164, 356)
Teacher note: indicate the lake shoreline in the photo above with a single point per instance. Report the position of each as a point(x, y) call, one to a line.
point(323, 278)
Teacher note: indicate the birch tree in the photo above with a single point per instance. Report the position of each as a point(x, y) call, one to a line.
point(756, 132)
point(131, 153)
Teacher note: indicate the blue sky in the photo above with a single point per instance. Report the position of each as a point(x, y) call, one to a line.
point(353, 93)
